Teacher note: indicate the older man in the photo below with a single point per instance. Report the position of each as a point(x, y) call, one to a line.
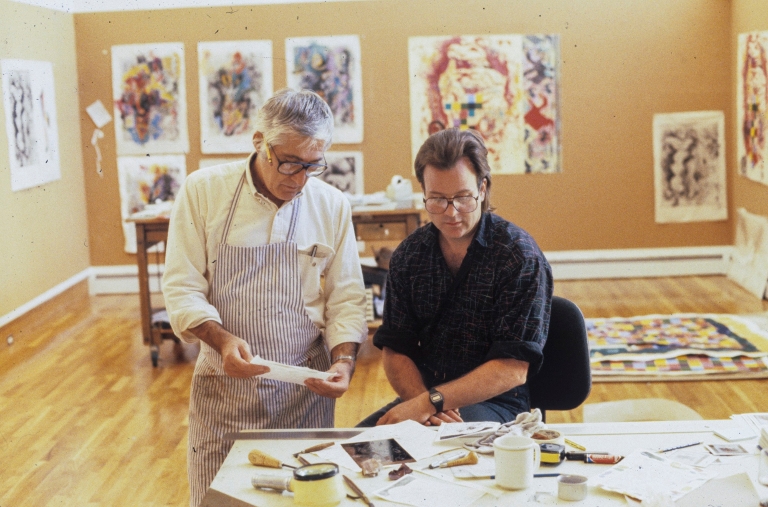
point(468, 298)
point(262, 259)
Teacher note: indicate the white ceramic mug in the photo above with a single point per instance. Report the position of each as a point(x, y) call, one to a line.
point(517, 458)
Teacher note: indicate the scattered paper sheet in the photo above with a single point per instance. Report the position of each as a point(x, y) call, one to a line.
point(422, 490)
point(98, 114)
point(645, 473)
point(447, 431)
point(417, 439)
point(733, 490)
point(288, 373)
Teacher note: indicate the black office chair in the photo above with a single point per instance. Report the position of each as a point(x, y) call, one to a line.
point(565, 378)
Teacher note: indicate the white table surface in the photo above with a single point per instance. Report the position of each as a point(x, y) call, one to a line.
point(232, 485)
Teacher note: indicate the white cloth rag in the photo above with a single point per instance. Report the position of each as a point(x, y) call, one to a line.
point(525, 424)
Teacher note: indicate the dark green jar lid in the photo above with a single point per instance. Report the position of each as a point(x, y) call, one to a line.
point(315, 472)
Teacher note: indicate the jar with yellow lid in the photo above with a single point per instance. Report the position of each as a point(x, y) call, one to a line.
point(315, 485)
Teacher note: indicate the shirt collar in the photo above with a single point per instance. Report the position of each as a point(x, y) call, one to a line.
point(483, 236)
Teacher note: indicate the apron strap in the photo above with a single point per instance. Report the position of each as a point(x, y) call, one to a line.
point(233, 206)
point(294, 219)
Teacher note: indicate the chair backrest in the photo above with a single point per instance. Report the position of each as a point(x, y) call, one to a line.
point(565, 378)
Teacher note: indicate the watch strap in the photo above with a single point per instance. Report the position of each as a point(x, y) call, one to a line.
point(436, 398)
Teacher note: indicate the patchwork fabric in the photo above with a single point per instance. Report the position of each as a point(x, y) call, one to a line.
point(680, 344)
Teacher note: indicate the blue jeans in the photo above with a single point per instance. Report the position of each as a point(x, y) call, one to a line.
point(483, 411)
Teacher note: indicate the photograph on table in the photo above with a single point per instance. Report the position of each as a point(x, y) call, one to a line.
point(751, 104)
point(689, 166)
point(387, 451)
point(30, 122)
point(147, 183)
point(149, 93)
point(345, 171)
point(504, 86)
point(330, 67)
point(235, 80)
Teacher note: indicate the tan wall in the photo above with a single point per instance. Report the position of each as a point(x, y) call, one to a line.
point(622, 61)
point(44, 230)
point(747, 16)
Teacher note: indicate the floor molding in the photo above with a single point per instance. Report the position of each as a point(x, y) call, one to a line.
point(123, 279)
point(566, 265)
point(45, 297)
point(639, 263)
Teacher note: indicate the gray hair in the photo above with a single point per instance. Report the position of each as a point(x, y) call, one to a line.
point(303, 113)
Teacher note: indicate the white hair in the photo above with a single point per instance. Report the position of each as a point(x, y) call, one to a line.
point(302, 113)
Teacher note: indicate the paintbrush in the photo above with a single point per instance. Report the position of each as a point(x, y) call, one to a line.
point(314, 448)
point(358, 491)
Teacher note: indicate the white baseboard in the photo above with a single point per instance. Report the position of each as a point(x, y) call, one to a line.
point(566, 265)
point(123, 279)
point(639, 263)
point(44, 297)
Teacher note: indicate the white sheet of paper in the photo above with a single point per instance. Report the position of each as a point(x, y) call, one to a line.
point(732, 490)
point(448, 431)
point(98, 114)
point(644, 473)
point(421, 490)
point(288, 373)
point(334, 454)
point(417, 439)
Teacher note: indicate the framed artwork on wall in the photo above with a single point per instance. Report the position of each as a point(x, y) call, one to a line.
point(149, 93)
point(152, 180)
point(330, 66)
point(504, 86)
point(235, 80)
point(752, 105)
point(30, 122)
point(689, 166)
point(345, 171)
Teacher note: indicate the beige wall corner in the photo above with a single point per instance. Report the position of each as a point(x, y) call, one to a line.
point(44, 229)
point(746, 16)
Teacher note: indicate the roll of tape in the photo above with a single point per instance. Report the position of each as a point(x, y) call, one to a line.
point(548, 437)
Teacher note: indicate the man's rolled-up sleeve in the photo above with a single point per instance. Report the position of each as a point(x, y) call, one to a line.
point(185, 286)
point(344, 288)
point(522, 312)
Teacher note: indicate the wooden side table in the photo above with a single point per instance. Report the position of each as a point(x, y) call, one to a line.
point(150, 232)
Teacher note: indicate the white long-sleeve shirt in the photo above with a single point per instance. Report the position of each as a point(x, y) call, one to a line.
point(336, 304)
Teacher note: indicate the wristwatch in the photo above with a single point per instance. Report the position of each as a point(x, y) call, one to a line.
point(436, 398)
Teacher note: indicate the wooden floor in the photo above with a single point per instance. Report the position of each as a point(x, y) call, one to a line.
point(86, 420)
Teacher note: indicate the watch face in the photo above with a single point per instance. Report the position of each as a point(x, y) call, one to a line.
point(436, 397)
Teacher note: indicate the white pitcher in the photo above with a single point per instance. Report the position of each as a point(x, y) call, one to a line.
point(517, 458)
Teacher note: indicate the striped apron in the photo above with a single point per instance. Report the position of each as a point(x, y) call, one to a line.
point(257, 291)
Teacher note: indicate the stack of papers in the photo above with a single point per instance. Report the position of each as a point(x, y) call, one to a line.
point(755, 421)
point(644, 474)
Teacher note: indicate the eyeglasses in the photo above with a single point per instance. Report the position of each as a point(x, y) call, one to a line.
point(462, 204)
point(291, 168)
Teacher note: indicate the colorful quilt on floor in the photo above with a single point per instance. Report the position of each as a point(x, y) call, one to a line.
point(678, 345)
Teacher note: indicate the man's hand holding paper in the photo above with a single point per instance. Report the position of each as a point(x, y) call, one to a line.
point(288, 373)
point(340, 374)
